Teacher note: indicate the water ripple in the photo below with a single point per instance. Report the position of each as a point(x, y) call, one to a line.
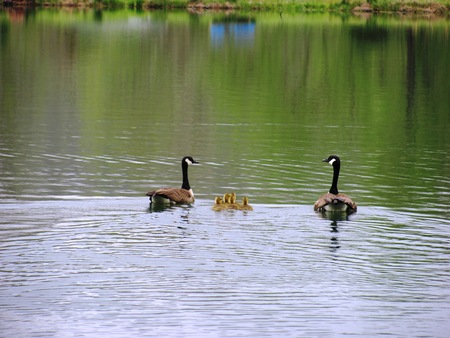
point(112, 257)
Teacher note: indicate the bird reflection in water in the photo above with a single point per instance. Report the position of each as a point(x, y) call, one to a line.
point(335, 218)
point(184, 210)
point(166, 207)
point(160, 207)
point(334, 237)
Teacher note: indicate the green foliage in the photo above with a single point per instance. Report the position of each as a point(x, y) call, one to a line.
point(376, 85)
point(436, 6)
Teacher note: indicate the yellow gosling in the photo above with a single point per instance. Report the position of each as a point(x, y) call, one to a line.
point(219, 205)
point(226, 198)
point(233, 205)
point(245, 205)
point(228, 202)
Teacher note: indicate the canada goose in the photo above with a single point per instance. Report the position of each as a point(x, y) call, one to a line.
point(183, 195)
point(245, 205)
point(333, 200)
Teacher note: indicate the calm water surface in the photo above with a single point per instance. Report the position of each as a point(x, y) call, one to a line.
point(97, 108)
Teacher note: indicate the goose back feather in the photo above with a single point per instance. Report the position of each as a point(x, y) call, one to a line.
point(332, 202)
point(172, 195)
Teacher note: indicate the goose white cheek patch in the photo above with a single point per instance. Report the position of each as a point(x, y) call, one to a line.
point(188, 162)
point(332, 161)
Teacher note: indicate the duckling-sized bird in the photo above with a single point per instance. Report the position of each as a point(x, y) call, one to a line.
point(245, 205)
point(233, 198)
point(183, 195)
point(232, 205)
point(228, 202)
point(226, 198)
point(333, 200)
point(219, 204)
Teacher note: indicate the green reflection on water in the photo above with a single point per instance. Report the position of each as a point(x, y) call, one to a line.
point(259, 99)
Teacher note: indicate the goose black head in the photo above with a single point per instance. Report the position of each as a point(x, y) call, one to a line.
point(332, 160)
point(188, 160)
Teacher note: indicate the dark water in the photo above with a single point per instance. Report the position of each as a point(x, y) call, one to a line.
point(97, 108)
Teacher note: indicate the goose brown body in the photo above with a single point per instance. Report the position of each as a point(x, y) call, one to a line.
point(172, 195)
point(332, 202)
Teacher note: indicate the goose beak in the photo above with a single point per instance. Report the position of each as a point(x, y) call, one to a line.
point(325, 160)
point(195, 162)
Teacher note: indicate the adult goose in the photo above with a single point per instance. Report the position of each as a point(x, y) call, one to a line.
point(333, 200)
point(183, 195)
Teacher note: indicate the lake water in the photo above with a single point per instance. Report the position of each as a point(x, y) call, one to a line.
point(97, 108)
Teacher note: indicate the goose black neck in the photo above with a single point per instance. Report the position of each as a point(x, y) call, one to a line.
point(185, 185)
point(336, 168)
